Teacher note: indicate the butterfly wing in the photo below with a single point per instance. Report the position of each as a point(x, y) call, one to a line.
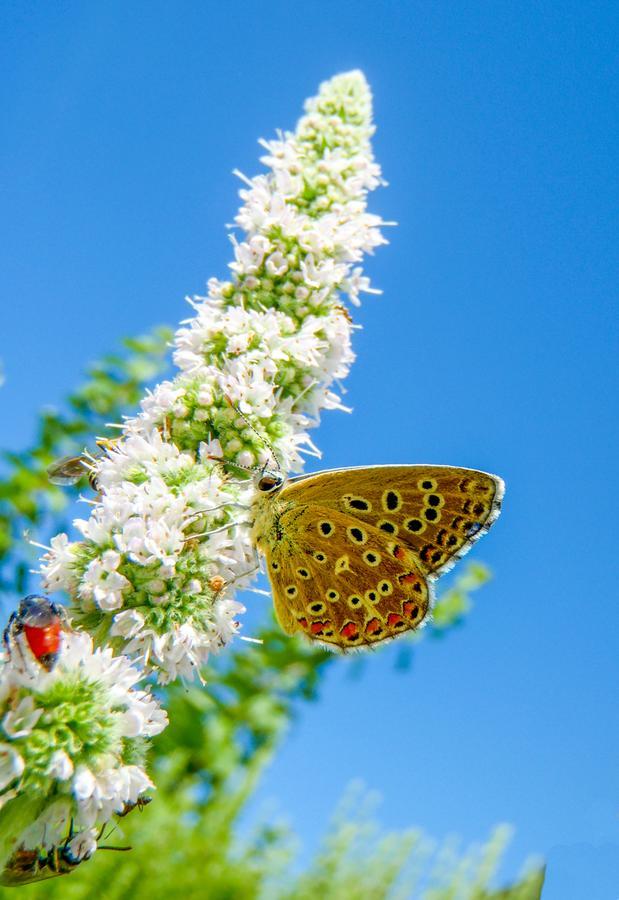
point(342, 582)
point(439, 512)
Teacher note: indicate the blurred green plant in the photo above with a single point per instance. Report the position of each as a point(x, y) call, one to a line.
point(207, 764)
point(28, 501)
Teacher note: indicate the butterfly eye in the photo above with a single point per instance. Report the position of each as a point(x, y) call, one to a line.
point(270, 481)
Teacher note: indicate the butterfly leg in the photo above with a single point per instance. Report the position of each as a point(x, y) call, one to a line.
point(205, 512)
point(247, 574)
point(193, 537)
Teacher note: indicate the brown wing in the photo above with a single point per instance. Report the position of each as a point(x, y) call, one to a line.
point(26, 867)
point(344, 583)
point(437, 511)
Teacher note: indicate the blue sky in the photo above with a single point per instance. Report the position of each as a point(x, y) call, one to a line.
point(494, 346)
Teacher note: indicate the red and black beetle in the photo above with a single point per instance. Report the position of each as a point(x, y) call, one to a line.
point(41, 622)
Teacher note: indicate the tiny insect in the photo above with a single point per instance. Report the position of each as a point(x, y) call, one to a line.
point(216, 583)
point(352, 554)
point(29, 866)
point(140, 803)
point(41, 622)
point(69, 470)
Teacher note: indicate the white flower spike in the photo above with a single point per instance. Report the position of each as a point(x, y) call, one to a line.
point(72, 738)
point(265, 347)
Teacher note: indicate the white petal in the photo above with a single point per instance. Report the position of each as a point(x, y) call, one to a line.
point(83, 783)
point(11, 765)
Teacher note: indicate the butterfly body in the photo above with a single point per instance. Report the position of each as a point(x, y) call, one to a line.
point(352, 553)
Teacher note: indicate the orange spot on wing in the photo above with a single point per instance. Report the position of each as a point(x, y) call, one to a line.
point(374, 626)
point(395, 621)
point(410, 609)
point(350, 630)
point(303, 623)
point(409, 578)
point(399, 552)
point(319, 627)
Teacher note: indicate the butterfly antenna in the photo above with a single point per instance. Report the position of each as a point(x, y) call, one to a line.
point(256, 432)
point(235, 465)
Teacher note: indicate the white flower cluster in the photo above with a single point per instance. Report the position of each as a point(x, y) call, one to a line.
point(258, 362)
point(73, 738)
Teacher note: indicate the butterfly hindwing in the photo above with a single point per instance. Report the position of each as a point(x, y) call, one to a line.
point(436, 511)
point(341, 582)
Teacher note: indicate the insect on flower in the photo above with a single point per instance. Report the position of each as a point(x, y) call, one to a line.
point(352, 554)
point(140, 803)
point(28, 866)
point(217, 583)
point(69, 470)
point(41, 622)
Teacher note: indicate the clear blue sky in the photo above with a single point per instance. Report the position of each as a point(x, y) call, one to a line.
point(493, 346)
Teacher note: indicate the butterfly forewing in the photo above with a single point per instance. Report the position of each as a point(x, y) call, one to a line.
point(436, 511)
point(343, 582)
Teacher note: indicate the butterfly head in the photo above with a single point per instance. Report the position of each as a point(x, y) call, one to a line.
point(270, 481)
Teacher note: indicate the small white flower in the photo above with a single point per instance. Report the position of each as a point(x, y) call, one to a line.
point(50, 828)
point(84, 783)
point(11, 765)
point(83, 844)
point(57, 564)
point(20, 721)
point(226, 619)
point(259, 361)
point(127, 624)
point(61, 766)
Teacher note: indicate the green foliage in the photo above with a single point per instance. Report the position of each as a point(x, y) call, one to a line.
point(28, 501)
point(206, 767)
point(207, 764)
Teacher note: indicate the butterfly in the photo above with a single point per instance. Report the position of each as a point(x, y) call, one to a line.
point(352, 554)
